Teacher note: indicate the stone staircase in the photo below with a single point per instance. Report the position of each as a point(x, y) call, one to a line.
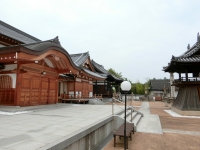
point(135, 118)
point(96, 101)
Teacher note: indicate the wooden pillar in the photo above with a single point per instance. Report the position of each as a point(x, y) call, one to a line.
point(104, 89)
point(56, 92)
point(40, 91)
point(172, 87)
point(179, 74)
point(95, 87)
point(74, 87)
point(48, 96)
point(186, 75)
point(18, 89)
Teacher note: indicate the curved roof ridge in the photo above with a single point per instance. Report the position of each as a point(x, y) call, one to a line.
point(93, 73)
point(79, 53)
point(80, 58)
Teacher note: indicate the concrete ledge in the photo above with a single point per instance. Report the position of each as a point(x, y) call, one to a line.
point(82, 137)
point(86, 138)
point(186, 112)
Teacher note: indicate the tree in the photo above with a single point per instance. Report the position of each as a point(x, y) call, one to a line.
point(113, 72)
point(138, 88)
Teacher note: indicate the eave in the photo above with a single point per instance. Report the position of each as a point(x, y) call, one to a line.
point(19, 54)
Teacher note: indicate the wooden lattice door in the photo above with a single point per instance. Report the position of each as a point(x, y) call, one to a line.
point(25, 99)
point(52, 91)
point(85, 88)
point(7, 93)
point(35, 91)
point(44, 90)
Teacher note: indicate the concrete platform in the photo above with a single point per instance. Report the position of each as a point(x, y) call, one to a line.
point(186, 112)
point(48, 125)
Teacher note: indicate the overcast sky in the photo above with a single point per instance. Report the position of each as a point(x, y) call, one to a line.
point(134, 37)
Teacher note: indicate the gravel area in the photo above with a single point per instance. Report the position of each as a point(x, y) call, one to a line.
point(166, 141)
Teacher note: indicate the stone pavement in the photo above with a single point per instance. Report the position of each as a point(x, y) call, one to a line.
point(46, 125)
point(149, 123)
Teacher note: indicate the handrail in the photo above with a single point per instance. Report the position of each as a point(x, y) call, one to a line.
point(118, 106)
point(118, 100)
point(121, 107)
point(113, 98)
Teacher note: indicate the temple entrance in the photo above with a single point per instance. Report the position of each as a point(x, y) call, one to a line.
point(7, 93)
point(37, 90)
point(30, 90)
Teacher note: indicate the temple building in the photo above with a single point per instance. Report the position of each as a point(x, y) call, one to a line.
point(35, 72)
point(159, 88)
point(106, 87)
point(86, 76)
point(187, 66)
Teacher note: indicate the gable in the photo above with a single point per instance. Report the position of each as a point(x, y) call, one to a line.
point(87, 64)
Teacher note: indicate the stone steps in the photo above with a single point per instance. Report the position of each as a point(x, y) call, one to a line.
point(136, 116)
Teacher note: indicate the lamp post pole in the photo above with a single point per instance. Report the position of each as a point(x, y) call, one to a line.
point(125, 125)
point(125, 86)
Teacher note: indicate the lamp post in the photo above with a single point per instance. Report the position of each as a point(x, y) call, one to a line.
point(125, 86)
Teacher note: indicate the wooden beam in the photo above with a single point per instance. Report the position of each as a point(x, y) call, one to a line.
point(13, 71)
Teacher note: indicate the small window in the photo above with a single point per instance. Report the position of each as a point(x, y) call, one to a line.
point(5, 82)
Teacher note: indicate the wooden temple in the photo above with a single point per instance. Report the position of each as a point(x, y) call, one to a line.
point(35, 72)
point(105, 87)
point(187, 66)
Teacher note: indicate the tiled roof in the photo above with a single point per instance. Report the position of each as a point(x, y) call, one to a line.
point(14, 33)
point(79, 59)
point(116, 78)
point(39, 48)
point(188, 59)
point(191, 50)
point(192, 55)
point(99, 67)
point(93, 73)
point(42, 45)
point(159, 84)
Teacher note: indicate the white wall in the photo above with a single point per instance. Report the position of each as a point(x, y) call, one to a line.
point(10, 67)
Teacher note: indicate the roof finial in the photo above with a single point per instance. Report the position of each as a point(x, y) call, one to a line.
point(56, 40)
point(188, 47)
point(198, 38)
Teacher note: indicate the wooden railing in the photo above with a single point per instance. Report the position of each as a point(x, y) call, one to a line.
point(7, 96)
point(78, 96)
point(70, 96)
point(189, 79)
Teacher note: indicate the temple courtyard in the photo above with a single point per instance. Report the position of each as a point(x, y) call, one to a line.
point(178, 132)
point(41, 127)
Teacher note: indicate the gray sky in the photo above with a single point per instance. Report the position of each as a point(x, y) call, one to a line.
point(135, 37)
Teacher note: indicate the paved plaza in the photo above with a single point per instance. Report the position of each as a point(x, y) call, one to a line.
point(40, 127)
point(43, 126)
